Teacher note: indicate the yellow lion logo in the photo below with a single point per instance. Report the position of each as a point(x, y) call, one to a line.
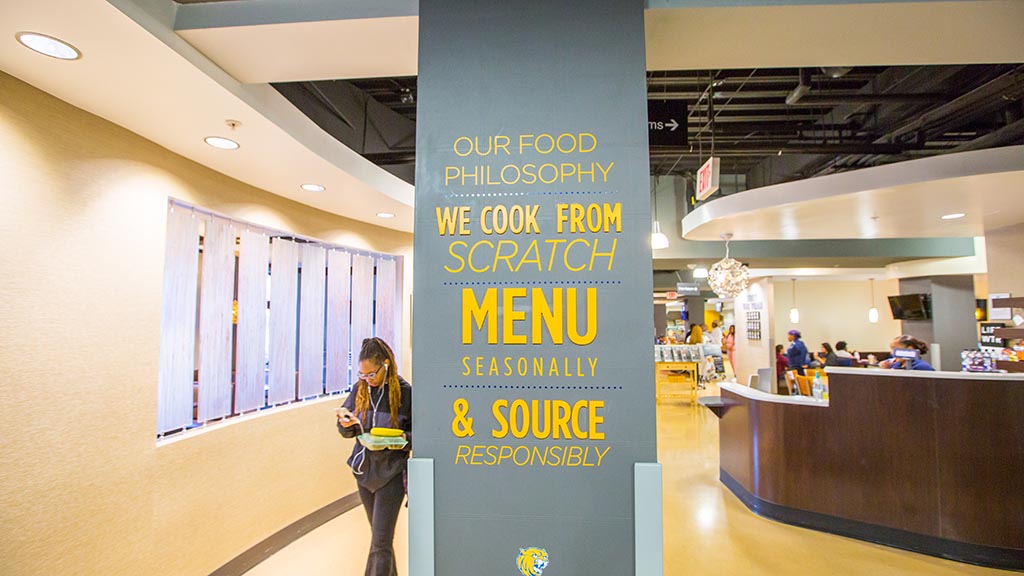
point(532, 561)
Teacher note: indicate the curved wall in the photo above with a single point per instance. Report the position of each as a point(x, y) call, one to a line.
point(85, 489)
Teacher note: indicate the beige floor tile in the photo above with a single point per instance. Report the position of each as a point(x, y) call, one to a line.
point(707, 529)
point(338, 548)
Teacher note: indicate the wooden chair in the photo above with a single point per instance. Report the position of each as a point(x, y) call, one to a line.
point(791, 382)
point(805, 384)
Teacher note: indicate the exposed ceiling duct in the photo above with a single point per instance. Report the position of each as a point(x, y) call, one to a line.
point(769, 125)
point(802, 88)
point(836, 71)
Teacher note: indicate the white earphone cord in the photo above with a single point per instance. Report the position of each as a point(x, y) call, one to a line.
point(361, 455)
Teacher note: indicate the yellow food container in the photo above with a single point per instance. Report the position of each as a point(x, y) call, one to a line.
point(386, 432)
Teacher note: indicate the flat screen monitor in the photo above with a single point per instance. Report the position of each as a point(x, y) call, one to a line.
point(910, 307)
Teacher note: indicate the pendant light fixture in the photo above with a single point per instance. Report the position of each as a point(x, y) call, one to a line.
point(658, 239)
point(872, 311)
point(794, 312)
point(728, 277)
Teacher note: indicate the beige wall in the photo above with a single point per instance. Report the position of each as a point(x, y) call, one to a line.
point(1005, 261)
point(828, 34)
point(832, 311)
point(83, 487)
point(752, 355)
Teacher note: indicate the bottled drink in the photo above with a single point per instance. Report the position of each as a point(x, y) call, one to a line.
point(816, 387)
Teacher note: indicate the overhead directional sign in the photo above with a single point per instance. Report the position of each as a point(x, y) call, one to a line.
point(666, 122)
point(688, 288)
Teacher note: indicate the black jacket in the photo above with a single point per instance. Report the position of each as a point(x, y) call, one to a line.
point(379, 467)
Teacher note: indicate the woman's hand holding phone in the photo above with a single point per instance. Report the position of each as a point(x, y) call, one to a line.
point(345, 418)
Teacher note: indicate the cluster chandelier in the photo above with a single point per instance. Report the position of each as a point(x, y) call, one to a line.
point(728, 278)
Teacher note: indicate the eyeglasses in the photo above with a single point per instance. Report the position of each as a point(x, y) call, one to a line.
point(368, 375)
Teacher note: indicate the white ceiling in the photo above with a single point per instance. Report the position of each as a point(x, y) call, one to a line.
point(140, 74)
point(904, 200)
point(677, 39)
point(365, 48)
point(134, 78)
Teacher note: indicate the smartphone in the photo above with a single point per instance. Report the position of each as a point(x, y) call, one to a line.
point(345, 414)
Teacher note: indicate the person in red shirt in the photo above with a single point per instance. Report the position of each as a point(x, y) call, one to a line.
point(781, 363)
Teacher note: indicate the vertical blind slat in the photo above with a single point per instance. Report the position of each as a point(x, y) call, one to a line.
point(386, 296)
point(216, 295)
point(300, 347)
point(251, 355)
point(284, 268)
point(178, 322)
point(362, 302)
point(311, 322)
point(339, 283)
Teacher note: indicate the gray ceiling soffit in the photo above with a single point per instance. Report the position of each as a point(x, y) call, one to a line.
point(195, 16)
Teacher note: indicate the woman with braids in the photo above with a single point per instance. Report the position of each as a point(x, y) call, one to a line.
point(380, 399)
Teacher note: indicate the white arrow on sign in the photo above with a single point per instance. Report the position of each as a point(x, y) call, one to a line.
point(673, 124)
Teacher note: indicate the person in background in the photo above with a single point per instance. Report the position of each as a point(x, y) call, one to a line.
point(844, 356)
point(827, 356)
point(797, 352)
point(729, 347)
point(696, 335)
point(907, 342)
point(781, 363)
point(715, 336)
point(841, 351)
point(380, 398)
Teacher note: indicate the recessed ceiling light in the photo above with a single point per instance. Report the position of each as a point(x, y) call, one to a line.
point(385, 215)
point(48, 45)
point(953, 216)
point(221, 143)
point(313, 188)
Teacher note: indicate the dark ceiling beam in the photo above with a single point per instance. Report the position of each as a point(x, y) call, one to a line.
point(1009, 134)
point(781, 125)
point(726, 94)
point(760, 80)
point(802, 116)
point(979, 102)
point(392, 158)
point(767, 149)
point(811, 102)
point(871, 120)
point(982, 100)
point(818, 99)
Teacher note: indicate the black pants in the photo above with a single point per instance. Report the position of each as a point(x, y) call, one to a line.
point(382, 509)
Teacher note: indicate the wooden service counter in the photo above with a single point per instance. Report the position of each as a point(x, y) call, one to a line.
point(926, 461)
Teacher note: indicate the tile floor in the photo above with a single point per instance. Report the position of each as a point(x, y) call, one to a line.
point(707, 530)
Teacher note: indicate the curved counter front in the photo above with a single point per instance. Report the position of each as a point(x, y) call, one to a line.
point(926, 461)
